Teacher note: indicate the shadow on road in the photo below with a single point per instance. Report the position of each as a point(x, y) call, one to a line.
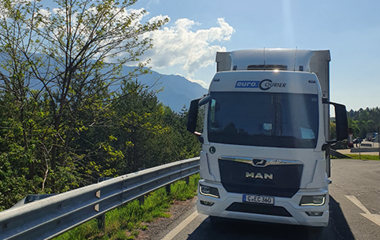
point(235, 229)
point(338, 223)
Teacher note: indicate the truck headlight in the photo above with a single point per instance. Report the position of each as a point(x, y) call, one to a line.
point(208, 191)
point(318, 200)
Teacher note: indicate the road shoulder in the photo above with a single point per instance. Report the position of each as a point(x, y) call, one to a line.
point(159, 228)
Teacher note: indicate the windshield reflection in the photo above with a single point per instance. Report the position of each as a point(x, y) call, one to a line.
point(264, 119)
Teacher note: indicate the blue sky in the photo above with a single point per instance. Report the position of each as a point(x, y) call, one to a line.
point(349, 29)
point(198, 28)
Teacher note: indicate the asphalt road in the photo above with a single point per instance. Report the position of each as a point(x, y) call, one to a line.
point(354, 206)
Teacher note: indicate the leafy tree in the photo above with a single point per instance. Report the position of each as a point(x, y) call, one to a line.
point(70, 115)
point(353, 124)
point(364, 121)
point(58, 69)
point(138, 115)
point(151, 133)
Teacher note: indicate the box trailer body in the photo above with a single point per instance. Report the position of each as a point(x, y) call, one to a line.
point(265, 145)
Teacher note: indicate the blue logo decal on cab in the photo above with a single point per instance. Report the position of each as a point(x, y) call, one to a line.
point(247, 84)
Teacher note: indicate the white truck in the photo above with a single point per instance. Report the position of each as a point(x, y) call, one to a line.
point(265, 147)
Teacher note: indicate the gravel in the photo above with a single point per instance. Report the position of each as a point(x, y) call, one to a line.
point(159, 228)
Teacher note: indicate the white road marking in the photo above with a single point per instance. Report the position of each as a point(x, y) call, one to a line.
point(357, 203)
point(181, 226)
point(373, 217)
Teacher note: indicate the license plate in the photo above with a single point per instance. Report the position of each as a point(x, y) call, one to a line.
point(258, 199)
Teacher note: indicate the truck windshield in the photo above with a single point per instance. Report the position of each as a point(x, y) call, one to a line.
point(264, 119)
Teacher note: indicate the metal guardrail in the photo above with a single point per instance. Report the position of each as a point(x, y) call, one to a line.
point(49, 217)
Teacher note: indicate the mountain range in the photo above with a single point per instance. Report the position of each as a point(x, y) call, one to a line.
point(177, 90)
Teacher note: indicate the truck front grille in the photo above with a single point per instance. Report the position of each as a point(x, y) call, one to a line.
point(272, 180)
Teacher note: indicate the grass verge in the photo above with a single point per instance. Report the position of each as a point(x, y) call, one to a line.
point(363, 156)
point(126, 222)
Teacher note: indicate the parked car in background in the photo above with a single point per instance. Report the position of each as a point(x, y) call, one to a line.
point(370, 136)
point(358, 141)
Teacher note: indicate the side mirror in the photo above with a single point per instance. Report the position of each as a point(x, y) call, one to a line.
point(341, 122)
point(204, 100)
point(192, 118)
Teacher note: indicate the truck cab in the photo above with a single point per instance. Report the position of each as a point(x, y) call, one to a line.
point(264, 139)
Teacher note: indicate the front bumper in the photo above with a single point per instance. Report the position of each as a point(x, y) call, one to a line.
point(297, 214)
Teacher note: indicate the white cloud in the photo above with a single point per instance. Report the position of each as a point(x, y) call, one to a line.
point(180, 45)
point(45, 12)
point(158, 18)
point(58, 11)
point(135, 14)
point(200, 82)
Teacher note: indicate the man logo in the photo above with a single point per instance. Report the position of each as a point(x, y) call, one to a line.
point(259, 162)
point(259, 175)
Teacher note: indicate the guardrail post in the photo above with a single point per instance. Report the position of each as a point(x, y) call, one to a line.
point(141, 199)
point(167, 187)
point(101, 221)
point(187, 179)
